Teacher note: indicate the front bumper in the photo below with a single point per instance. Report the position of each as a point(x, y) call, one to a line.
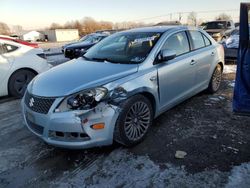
point(72, 129)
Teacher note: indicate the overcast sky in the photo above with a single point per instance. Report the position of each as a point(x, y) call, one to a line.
point(37, 14)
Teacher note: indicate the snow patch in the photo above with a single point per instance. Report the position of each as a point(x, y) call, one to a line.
point(231, 83)
point(240, 176)
point(229, 69)
point(123, 169)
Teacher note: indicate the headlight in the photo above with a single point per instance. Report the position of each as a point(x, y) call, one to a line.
point(216, 35)
point(83, 100)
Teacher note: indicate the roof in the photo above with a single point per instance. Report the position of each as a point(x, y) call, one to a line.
point(99, 34)
point(160, 29)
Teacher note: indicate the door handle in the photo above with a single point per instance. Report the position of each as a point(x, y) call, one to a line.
point(212, 54)
point(192, 62)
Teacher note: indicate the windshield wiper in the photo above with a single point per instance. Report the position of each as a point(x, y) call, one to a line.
point(103, 60)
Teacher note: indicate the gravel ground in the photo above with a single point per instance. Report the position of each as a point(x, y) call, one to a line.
point(216, 142)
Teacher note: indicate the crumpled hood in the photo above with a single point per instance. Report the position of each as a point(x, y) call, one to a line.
point(77, 75)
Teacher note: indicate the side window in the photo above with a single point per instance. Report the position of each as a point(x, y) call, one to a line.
point(197, 39)
point(206, 40)
point(178, 42)
point(9, 48)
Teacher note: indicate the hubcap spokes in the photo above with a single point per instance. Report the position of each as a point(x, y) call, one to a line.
point(216, 79)
point(137, 121)
point(22, 82)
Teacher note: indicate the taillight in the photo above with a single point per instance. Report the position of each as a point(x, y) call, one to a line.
point(42, 55)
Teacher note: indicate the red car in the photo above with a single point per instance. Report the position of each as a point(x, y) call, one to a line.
point(34, 45)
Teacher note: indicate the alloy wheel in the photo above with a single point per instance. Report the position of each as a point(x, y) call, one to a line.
point(216, 79)
point(137, 121)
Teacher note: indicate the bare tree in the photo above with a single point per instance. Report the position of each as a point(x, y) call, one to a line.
point(4, 29)
point(89, 25)
point(17, 29)
point(223, 16)
point(55, 26)
point(192, 18)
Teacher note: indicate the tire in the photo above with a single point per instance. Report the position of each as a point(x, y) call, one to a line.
point(134, 121)
point(19, 81)
point(215, 80)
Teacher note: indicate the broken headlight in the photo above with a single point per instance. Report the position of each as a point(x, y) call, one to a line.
point(84, 100)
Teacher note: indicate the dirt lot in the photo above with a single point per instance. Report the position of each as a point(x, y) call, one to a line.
point(216, 141)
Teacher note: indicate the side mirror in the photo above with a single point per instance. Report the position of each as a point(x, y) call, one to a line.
point(166, 55)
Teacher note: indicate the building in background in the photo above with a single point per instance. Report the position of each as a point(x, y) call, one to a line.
point(33, 36)
point(60, 35)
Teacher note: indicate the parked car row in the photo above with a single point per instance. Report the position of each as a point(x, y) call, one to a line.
point(115, 90)
point(219, 30)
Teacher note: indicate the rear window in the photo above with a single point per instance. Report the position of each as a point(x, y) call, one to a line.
point(206, 40)
point(197, 39)
point(10, 48)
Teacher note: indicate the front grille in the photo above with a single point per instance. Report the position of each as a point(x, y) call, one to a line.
point(38, 104)
point(36, 128)
point(69, 53)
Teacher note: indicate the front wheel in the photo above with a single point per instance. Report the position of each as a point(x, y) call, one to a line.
point(134, 121)
point(19, 81)
point(215, 80)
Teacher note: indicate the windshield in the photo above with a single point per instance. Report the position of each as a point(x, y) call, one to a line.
point(126, 47)
point(215, 25)
point(91, 38)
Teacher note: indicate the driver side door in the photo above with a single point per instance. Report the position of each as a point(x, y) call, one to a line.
point(177, 76)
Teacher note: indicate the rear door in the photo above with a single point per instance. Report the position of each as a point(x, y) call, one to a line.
point(5, 66)
point(204, 54)
point(176, 77)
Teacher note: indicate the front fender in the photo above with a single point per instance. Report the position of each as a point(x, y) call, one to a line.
point(139, 83)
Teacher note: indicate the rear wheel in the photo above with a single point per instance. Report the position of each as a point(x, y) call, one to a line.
point(19, 81)
point(215, 80)
point(134, 121)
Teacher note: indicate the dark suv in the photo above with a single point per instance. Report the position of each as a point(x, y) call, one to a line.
point(74, 50)
point(220, 29)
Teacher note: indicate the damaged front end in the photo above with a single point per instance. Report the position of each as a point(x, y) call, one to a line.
point(81, 120)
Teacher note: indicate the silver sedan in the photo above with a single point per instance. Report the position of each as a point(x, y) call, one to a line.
point(115, 90)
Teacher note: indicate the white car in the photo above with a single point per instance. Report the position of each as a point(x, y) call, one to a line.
point(19, 64)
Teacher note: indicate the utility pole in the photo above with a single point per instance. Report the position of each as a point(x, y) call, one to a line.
point(180, 17)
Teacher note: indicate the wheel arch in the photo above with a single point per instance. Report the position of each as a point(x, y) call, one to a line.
point(222, 65)
point(151, 98)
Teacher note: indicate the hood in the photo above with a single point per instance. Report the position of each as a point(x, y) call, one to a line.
point(215, 30)
point(80, 45)
point(77, 75)
point(68, 44)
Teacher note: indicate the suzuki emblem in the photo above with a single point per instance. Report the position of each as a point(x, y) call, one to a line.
point(31, 103)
